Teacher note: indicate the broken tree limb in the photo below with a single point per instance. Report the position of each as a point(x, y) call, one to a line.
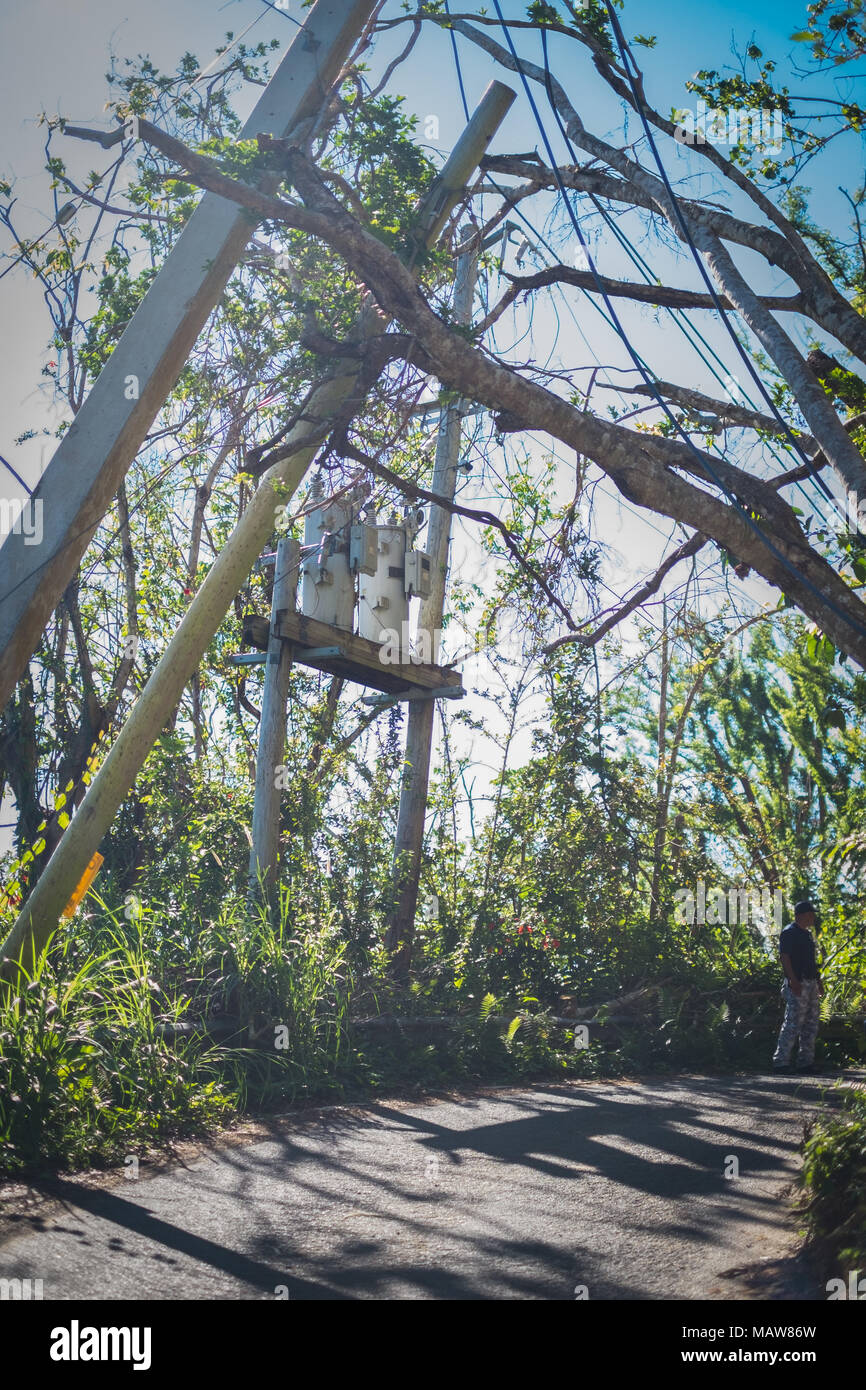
point(663, 295)
point(642, 467)
point(647, 589)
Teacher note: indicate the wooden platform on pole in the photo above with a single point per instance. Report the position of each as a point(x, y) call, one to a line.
point(342, 653)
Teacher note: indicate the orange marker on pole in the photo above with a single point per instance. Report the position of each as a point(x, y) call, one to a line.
point(86, 879)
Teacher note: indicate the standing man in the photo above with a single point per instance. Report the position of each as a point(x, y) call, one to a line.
point(801, 990)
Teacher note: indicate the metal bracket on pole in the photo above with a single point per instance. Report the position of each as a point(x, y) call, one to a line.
point(449, 692)
point(248, 658)
point(322, 653)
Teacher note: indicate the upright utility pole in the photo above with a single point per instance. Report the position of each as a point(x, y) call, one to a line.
point(225, 577)
point(265, 851)
point(92, 459)
point(419, 735)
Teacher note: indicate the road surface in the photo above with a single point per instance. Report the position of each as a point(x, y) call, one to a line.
point(649, 1189)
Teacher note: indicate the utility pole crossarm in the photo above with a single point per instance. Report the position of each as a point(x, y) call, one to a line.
point(95, 453)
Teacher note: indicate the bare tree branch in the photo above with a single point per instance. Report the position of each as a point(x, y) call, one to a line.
point(647, 589)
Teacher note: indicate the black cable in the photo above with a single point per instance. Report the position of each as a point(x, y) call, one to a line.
point(624, 241)
point(816, 479)
point(684, 228)
point(690, 332)
point(703, 461)
point(457, 65)
point(16, 476)
point(284, 13)
point(503, 193)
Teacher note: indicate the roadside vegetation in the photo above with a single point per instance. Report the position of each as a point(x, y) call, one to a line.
point(834, 1179)
point(603, 804)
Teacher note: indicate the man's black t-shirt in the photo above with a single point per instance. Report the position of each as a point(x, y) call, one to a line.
point(799, 944)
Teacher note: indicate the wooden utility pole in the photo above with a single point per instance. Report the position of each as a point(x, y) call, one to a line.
point(41, 912)
point(92, 459)
point(419, 735)
point(265, 851)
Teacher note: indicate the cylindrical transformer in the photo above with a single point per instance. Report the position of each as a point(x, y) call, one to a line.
point(327, 587)
point(383, 605)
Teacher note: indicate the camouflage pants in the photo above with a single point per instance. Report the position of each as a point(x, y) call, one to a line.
point(801, 1019)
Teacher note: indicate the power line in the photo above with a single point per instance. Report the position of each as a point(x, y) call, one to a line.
point(687, 328)
point(283, 13)
point(637, 260)
point(706, 277)
point(16, 475)
point(703, 460)
point(679, 318)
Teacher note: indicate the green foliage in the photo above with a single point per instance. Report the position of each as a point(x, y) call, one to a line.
point(834, 1176)
point(106, 1051)
point(85, 1073)
point(835, 31)
point(286, 980)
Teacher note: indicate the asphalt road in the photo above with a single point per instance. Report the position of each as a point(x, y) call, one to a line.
point(616, 1188)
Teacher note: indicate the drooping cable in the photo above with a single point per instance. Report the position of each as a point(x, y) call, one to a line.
point(685, 327)
point(627, 62)
point(703, 460)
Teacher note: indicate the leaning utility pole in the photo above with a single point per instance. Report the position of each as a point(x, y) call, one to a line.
point(419, 735)
point(94, 455)
point(225, 577)
point(265, 851)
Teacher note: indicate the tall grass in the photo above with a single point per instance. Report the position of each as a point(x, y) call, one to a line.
point(290, 987)
point(85, 1075)
point(94, 1062)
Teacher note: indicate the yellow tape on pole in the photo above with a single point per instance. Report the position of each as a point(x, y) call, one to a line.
point(86, 879)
